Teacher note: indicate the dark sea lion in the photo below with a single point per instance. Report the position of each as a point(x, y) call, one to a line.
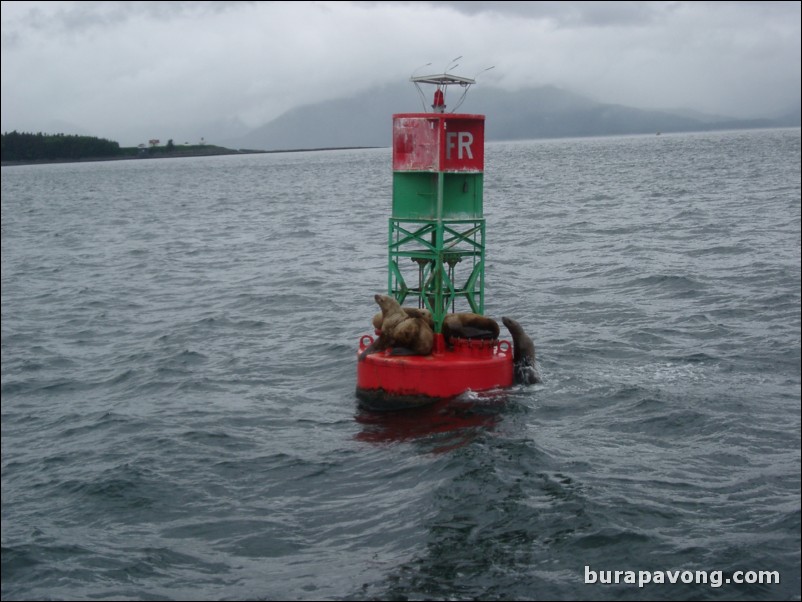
point(404, 333)
point(469, 326)
point(523, 354)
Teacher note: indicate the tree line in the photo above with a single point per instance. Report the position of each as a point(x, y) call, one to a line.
point(21, 146)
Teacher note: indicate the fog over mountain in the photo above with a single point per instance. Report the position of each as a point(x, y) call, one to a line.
point(543, 112)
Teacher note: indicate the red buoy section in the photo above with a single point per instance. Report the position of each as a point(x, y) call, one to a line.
point(469, 365)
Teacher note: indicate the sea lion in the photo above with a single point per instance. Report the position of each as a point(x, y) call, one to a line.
point(523, 355)
point(411, 311)
point(404, 333)
point(466, 325)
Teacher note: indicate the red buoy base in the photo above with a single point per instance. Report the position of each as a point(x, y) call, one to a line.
point(397, 381)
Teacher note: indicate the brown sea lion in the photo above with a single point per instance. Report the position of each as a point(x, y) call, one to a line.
point(404, 333)
point(411, 311)
point(523, 355)
point(469, 326)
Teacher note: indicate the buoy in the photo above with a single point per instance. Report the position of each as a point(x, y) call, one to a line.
point(436, 258)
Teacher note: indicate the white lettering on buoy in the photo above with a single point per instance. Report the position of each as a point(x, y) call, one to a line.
point(461, 140)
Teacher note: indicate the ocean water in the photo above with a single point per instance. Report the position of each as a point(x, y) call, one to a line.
point(179, 418)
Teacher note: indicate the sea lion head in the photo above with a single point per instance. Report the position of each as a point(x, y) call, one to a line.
point(391, 309)
point(511, 325)
point(384, 301)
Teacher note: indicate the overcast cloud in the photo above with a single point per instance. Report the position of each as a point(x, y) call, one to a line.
point(130, 71)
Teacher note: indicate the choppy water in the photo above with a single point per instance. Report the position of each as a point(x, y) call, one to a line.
point(179, 418)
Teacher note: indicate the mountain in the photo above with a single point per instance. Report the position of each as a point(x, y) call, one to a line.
point(361, 120)
point(543, 112)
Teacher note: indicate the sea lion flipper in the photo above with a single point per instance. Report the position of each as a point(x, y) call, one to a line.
point(476, 333)
point(402, 351)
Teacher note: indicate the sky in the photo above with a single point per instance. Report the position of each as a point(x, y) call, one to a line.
point(132, 71)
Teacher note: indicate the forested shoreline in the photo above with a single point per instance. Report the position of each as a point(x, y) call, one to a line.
point(21, 148)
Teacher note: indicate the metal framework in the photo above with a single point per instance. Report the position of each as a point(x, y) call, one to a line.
point(438, 262)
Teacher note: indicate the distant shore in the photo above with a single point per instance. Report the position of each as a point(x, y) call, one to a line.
point(211, 152)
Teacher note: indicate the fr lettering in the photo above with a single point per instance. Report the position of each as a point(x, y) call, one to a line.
point(461, 141)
